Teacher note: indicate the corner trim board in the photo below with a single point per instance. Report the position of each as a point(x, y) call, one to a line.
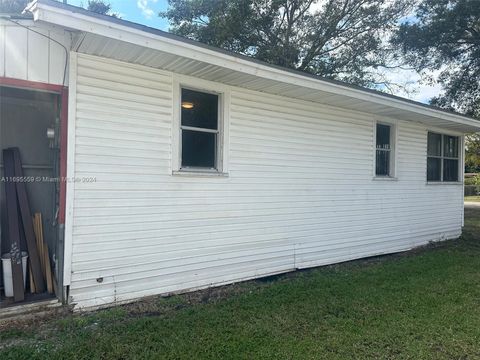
point(70, 171)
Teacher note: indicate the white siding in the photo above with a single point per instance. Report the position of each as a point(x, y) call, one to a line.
point(300, 191)
point(27, 55)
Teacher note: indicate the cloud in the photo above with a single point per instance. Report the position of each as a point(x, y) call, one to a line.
point(415, 88)
point(144, 6)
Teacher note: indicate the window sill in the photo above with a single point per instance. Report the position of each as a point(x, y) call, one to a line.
point(200, 173)
point(385, 178)
point(444, 183)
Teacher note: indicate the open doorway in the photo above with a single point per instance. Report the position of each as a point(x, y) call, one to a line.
point(30, 121)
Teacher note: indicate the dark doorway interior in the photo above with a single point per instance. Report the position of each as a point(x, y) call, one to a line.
point(25, 118)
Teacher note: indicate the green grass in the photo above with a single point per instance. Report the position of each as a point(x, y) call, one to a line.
point(472, 198)
point(420, 305)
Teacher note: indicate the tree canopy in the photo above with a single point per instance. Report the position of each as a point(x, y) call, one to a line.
point(445, 36)
point(338, 39)
point(17, 6)
point(12, 6)
point(472, 153)
point(101, 7)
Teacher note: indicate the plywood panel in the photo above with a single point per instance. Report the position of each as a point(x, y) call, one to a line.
point(38, 56)
point(16, 52)
point(27, 55)
point(57, 71)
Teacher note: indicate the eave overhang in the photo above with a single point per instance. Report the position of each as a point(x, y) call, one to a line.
point(109, 37)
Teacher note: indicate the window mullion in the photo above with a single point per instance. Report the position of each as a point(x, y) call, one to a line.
point(193, 128)
point(441, 157)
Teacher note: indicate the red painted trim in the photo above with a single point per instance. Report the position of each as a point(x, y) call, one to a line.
point(63, 91)
point(63, 154)
point(5, 81)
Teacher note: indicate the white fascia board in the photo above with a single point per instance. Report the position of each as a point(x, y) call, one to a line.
point(82, 22)
point(8, 22)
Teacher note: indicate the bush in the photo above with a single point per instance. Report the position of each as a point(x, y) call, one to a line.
point(474, 180)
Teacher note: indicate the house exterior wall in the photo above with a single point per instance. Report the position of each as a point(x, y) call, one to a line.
point(27, 55)
point(300, 190)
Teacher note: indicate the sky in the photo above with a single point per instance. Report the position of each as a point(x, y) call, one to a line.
point(140, 11)
point(146, 12)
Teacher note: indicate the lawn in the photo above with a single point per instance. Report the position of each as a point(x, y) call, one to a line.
point(422, 305)
point(472, 198)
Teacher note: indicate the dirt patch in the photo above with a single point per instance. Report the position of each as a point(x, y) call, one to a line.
point(155, 306)
point(160, 305)
point(34, 318)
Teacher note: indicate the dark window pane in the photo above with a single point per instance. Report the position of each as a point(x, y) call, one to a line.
point(450, 170)
point(199, 109)
point(433, 169)
point(198, 149)
point(383, 136)
point(382, 165)
point(434, 147)
point(450, 146)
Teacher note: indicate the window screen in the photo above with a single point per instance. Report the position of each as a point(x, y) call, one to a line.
point(442, 157)
point(383, 150)
point(199, 129)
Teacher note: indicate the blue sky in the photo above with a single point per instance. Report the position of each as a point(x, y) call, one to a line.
point(140, 11)
point(146, 12)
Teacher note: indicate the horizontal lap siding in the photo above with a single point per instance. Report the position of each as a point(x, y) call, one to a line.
point(299, 193)
point(327, 156)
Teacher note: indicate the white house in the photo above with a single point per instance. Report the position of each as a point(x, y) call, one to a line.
point(189, 166)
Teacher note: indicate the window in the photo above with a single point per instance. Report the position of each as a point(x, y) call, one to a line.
point(384, 150)
point(442, 157)
point(199, 130)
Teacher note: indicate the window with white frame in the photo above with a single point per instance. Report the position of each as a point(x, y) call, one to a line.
point(199, 130)
point(443, 157)
point(385, 150)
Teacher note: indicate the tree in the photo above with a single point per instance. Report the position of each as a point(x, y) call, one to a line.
point(472, 153)
point(101, 7)
point(445, 36)
point(338, 39)
point(17, 6)
point(13, 6)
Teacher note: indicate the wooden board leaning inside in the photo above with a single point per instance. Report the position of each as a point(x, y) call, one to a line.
point(25, 235)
